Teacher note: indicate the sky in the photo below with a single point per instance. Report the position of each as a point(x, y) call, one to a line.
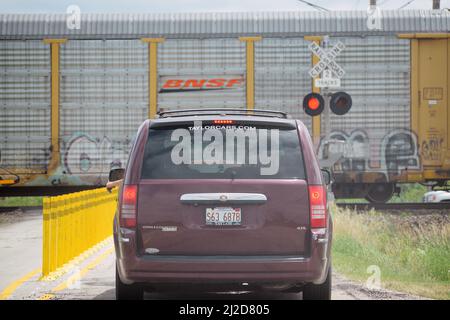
point(51, 6)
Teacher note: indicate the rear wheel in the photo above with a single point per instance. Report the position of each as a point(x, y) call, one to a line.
point(318, 291)
point(127, 291)
point(380, 192)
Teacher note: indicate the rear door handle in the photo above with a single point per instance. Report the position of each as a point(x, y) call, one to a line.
point(225, 198)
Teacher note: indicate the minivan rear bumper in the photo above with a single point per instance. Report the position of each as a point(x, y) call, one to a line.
point(219, 269)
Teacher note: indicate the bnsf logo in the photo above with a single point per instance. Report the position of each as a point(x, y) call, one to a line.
point(200, 84)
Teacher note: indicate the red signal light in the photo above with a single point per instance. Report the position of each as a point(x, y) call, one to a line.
point(313, 104)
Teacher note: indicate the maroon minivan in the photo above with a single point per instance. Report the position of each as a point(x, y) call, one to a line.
point(228, 198)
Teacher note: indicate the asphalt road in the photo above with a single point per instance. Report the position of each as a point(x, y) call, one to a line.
point(20, 245)
point(93, 278)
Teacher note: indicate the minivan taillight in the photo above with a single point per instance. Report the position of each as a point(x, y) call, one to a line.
point(318, 206)
point(128, 209)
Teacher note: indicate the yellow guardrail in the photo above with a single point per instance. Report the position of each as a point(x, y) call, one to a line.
point(73, 223)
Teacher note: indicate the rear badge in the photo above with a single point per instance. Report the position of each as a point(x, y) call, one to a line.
point(169, 229)
point(151, 250)
point(162, 228)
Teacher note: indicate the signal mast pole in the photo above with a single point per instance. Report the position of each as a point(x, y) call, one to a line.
point(326, 95)
point(436, 4)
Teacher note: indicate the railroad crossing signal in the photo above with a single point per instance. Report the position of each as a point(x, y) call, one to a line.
point(340, 102)
point(327, 65)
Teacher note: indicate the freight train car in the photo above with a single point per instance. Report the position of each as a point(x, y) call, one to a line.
point(73, 94)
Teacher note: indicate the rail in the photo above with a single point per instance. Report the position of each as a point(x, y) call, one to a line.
point(398, 207)
point(12, 209)
point(73, 223)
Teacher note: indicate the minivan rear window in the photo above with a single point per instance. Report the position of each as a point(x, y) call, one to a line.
point(222, 152)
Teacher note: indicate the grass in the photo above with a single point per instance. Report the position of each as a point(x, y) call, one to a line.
point(413, 253)
point(20, 201)
point(411, 192)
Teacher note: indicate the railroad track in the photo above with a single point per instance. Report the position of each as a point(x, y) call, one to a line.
point(443, 207)
point(15, 208)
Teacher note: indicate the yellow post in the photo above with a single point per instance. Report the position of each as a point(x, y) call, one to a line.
point(78, 229)
point(415, 102)
point(85, 207)
point(88, 198)
point(54, 51)
point(78, 206)
point(71, 210)
point(103, 214)
point(71, 232)
point(316, 125)
point(152, 74)
point(59, 232)
point(250, 67)
point(46, 206)
point(63, 232)
point(53, 234)
point(93, 205)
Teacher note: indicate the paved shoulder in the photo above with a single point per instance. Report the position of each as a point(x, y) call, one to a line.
point(344, 289)
point(20, 246)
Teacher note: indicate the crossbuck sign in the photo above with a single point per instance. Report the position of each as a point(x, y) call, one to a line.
point(326, 64)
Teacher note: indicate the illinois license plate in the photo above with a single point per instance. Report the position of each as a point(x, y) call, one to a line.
point(223, 216)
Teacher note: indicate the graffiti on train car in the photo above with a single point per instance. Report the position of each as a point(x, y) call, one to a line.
point(363, 152)
point(85, 154)
point(431, 149)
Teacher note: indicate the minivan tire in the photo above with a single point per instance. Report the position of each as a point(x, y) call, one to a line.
point(127, 291)
point(318, 291)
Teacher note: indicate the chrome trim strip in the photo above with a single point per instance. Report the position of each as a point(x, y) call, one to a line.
point(237, 259)
point(240, 198)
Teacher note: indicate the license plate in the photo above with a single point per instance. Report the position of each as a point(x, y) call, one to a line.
point(223, 216)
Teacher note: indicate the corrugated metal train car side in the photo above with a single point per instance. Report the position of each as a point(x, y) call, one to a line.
point(71, 100)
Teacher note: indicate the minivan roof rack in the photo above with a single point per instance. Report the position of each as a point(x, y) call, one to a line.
point(223, 112)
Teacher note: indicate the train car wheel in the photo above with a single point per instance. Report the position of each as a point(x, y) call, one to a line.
point(380, 192)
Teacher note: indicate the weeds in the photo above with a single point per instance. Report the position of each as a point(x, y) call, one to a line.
point(20, 201)
point(412, 252)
